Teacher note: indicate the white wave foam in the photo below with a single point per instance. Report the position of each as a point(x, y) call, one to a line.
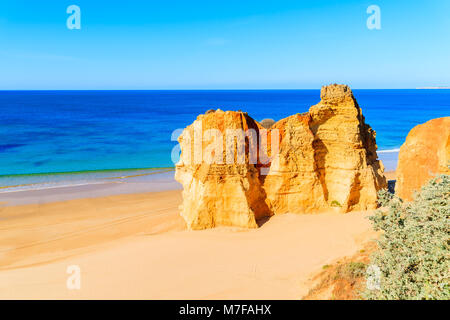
point(45, 186)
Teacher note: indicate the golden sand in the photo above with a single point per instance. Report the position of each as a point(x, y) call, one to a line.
point(135, 246)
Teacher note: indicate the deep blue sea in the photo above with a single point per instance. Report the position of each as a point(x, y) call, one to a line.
point(72, 131)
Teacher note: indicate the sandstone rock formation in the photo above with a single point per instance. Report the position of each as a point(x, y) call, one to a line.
point(425, 153)
point(216, 193)
point(327, 158)
point(293, 182)
point(318, 160)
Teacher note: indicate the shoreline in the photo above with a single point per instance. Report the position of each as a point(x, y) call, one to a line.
point(83, 171)
point(157, 182)
point(43, 181)
point(88, 176)
point(137, 184)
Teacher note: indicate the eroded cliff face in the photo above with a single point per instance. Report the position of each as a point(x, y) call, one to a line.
point(218, 187)
point(425, 153)
point(327, 159)
point(293, 182)
point(345, 151)
point(319, 160)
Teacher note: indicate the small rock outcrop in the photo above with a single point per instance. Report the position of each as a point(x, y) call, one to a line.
point(425, 153)
point(316, 161)
point(267, 123)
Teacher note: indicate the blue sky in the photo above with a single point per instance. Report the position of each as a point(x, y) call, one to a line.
point(219, 44)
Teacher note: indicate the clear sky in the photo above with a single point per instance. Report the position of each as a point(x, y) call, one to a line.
point(223, 44)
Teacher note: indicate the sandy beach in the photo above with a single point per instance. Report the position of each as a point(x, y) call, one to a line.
point(135, 246)
point(183, 152)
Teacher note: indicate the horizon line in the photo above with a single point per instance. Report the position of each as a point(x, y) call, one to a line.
point(228, 89)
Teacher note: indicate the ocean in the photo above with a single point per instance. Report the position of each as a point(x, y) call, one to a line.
point(77, 136)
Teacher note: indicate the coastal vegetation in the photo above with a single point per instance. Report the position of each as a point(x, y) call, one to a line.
point(413, 254)
point(344, 279)
point(410, 259)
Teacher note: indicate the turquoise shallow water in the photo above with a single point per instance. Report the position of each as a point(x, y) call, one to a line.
point(72, 131)
point(45, 180)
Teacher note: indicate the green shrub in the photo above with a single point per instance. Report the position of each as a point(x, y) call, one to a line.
point(350, 271)
point(414, 245)
point(356, 269)
point(335, 203)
